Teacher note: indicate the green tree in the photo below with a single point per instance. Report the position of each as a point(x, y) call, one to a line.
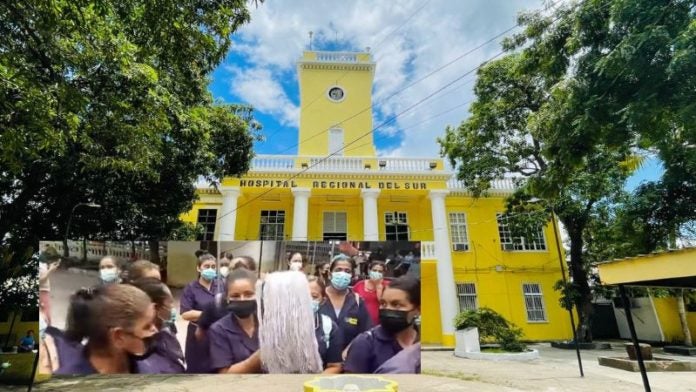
point(107, 101)
point(582, 92)
point(509, 132)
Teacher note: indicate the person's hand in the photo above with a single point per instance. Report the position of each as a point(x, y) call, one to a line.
point(347, 248)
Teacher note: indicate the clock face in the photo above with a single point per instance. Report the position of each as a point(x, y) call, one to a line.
point(336, 93)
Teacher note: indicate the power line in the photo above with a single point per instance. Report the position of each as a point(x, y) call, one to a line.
point(319, 161)
point(439, 69)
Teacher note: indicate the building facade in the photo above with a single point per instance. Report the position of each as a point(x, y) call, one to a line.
point(337, 188)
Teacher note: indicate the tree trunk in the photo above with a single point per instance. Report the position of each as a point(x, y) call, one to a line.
point(682, 318)
point(7, 340)
point(583, 304)
point(154, 251)
point(84, 250)
point(66, 251)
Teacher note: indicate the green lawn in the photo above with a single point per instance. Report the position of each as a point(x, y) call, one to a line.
point(20, 370)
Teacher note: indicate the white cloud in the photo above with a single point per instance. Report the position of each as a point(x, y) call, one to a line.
point(438, 33)
point(259, 87)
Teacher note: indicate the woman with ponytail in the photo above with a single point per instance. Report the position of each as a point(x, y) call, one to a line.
point(117, 321)
point(167, 356)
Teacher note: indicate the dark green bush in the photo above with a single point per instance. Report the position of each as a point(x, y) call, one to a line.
point(492, 327)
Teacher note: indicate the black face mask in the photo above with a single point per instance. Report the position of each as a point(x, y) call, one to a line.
point(394, 321)
point(150, 346)
point(242, 309)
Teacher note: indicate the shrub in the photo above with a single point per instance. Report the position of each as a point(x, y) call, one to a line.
point(492, 327)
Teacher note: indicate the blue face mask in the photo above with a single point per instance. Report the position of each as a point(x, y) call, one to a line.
point(340, 280)
point(108, 275)
point(172, 317)
point(315, 305)
point(375, 275)
point(208, 274)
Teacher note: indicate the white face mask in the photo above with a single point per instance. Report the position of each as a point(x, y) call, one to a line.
point(295, 266)
point(108, 275)
point(224, 271)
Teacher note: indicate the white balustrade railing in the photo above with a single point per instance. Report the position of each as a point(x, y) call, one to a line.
point(273, 162)
point(337, 57)
point(343, 164)
point(428, 250)
point(506, 184)
point(407, 164)
point(337, 164)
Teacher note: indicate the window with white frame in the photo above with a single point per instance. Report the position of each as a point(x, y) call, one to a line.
point(207, 219)
point(396, 226)
point(272, 225)
point(534, 302)
point(335, 226)
point(514, 241)
point(458, 234)
point(336, 141)
point(466, 293)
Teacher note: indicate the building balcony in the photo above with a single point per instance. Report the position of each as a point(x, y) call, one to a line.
point(337, 57)
point(504, 185)
point(353, 165)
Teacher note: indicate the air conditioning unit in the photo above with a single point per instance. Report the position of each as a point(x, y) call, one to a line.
point(460, 247)
point(508, 246)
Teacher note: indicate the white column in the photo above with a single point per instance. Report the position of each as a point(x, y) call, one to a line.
point(370, 219)
point(299, 216)
point(445, 275)
point(228, 213)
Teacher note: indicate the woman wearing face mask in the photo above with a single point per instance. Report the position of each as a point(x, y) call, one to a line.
point(296, 262)
point(327, 331)
point(399, 307)
point(371, 289)
point(166, 356)
point(344, 306)
point(234, 339)
point(195, 297)
point(118, 322)
point(109, 270)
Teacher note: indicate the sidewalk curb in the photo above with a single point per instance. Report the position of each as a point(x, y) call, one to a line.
point(436, 348)
point(80, 271)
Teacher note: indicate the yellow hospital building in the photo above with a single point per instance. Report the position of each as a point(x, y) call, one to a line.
point(470, 258)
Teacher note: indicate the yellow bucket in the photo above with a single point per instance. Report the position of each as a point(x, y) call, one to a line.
point(350, 383)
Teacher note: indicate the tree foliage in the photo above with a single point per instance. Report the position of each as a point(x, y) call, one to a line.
point(581, 93)
point(107, 101)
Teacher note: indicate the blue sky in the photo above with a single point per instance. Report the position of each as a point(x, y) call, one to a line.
point(408, 39)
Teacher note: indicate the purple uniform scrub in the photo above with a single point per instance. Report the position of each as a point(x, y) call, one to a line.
point(370, 350)
point(79, 364)
point(407, 361)
point(330, 349)
point(195, 297)
point(65, 347)
point(166, 358)
point(229, 344)
point(352, 320)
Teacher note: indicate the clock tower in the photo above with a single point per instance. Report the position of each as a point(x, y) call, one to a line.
point(335, 104)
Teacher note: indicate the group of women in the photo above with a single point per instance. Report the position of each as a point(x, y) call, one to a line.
point(284, 322)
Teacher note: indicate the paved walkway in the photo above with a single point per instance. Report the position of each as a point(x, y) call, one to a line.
point(556, 370)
